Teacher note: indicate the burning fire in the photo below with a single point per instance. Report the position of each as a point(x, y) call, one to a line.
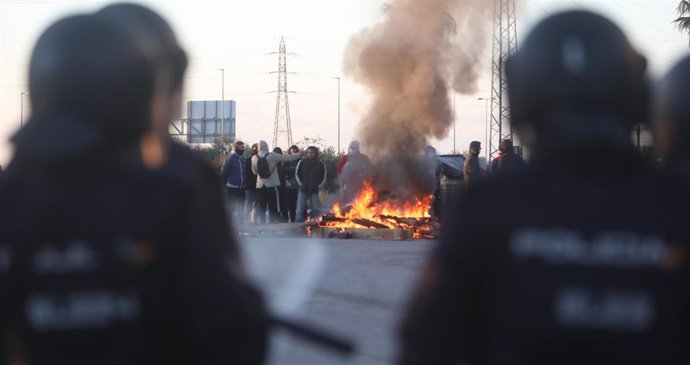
point(366, 213)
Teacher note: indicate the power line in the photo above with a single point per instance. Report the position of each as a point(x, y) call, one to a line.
point(548, 13)
point(23, 2)
point(640, 18)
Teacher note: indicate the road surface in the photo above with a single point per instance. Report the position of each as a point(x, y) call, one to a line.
point(353, 288)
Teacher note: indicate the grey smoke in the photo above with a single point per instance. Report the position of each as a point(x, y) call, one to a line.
point(410, 61)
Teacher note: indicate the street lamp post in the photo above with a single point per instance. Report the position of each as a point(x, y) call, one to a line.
point(338, 78)
point(222, 105)
point(487, 148)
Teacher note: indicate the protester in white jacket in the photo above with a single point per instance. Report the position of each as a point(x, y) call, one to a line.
point(267, 187)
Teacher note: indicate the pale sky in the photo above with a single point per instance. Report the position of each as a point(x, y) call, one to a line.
point(239, 35)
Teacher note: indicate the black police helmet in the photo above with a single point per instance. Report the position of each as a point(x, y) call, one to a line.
point(88, 70)
point(155, 36)
point(672, 111)
point(576, 62)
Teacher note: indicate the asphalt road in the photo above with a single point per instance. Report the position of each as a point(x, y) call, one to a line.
point(352, 288)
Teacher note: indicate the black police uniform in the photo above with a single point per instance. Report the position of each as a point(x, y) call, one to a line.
point(583, 258)
point(571, 279)
point(104, 264)
point(101, 260)
point(209, 219)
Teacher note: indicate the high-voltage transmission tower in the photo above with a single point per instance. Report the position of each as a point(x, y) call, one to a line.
point(504, 44)
point(282, 126)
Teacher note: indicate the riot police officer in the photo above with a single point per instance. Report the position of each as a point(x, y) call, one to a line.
point(99, 262)
point(672, 119)
point(577, 261)
point(155, 36)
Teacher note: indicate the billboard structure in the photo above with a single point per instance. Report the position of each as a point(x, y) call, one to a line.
point(204, 119)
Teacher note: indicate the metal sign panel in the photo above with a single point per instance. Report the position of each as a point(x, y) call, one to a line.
point(204, 120)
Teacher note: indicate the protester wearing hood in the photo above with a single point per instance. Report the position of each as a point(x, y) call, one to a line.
point(311, 176)
point(265, 166)
point(354, 169)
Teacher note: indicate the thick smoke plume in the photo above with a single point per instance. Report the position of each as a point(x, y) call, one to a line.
point(410, 61)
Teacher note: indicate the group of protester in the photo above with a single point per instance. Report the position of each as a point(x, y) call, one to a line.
point(115, 247)
point(270, 187)
point(506, 163)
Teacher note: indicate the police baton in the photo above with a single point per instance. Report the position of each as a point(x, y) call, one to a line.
point(315, 335)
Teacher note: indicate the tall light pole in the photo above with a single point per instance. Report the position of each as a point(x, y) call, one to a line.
point(21, 108)
point(222, 105)
point(486, 127)
point(338, 78)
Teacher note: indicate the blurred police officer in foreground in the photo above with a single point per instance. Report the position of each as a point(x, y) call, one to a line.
point(99, 263)
point(155, 36)
point(579, 260)
point(672, 120)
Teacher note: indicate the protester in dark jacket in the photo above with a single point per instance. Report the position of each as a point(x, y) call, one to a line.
point(507, 162)
point(311, 176)
point(99, 249)
point(250, 191)
point(291, 186)
point(282, 208)
point(233, 175)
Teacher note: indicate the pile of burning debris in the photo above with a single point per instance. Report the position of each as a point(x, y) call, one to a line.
point(372, 217)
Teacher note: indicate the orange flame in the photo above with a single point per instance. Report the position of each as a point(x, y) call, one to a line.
point(388, 213)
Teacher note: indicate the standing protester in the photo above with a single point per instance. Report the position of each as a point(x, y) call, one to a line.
point(472, 171)
point(291, 186)
point(265, 166)
point(578, 261)
point(311, 176)
point(100, 265)
point(250, 188)
point(354, 169)
point(436, 169)
point(282, 208)
point(234, 176)
point(507, 162)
